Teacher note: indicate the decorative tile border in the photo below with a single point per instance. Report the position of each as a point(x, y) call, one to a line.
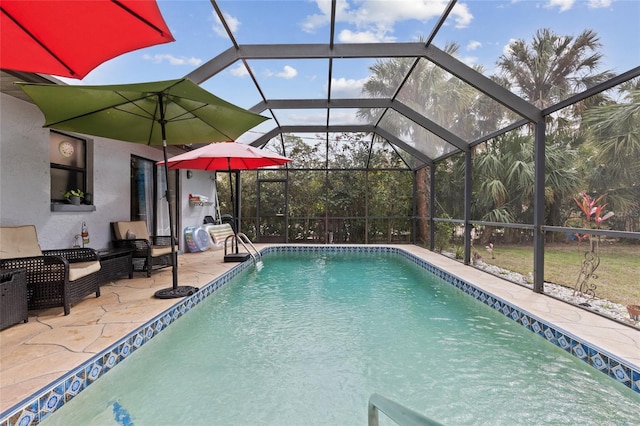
point(39, 406)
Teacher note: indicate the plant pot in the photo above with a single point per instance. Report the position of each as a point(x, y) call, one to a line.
point(634, 312)
point(74, 200)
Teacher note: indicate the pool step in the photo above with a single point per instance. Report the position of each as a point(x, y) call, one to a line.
point(236, 257)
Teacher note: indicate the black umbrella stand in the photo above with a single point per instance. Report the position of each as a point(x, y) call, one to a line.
point(175, 291)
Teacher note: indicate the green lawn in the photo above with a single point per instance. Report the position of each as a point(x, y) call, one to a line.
point(618, 275)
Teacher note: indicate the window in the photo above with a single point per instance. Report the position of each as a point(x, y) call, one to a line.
point(68, 158)
point(148, 202)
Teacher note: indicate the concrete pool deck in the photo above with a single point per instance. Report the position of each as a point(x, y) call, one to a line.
point(34, 354)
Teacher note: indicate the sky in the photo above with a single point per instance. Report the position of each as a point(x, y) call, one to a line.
point(483, 30)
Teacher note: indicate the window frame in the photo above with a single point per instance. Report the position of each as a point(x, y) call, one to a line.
point(82, 171)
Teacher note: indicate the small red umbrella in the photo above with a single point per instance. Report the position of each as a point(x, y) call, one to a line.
point(226, 156)
point(69, 38)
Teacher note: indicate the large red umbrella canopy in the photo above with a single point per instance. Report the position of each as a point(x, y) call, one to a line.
point(69, 38)
point(226, 156)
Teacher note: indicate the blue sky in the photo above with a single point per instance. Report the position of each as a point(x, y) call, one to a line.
point(483, 30)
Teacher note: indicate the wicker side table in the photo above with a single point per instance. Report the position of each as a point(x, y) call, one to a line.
point(115, 263)
point(13, 297)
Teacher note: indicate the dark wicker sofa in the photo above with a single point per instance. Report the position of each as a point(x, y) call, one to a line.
point(150, 252)
point(54, 277)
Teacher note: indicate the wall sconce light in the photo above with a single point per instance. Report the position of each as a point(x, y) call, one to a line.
point(189, 174)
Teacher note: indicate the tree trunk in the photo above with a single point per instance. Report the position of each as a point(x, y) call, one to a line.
point(423, 187)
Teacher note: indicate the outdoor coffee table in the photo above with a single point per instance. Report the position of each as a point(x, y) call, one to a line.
point(115, 263)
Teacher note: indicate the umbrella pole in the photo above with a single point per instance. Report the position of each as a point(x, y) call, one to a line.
point(233, 204)
point(175, 291)
point(217, 210)
point(174, 255)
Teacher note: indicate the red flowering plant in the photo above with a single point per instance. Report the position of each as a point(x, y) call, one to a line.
point(593, 217)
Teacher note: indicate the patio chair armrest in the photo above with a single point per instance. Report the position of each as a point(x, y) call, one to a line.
point(74, 255)
point(138, 243)
point(162, 240)
point(140, 246)
point(50, 268)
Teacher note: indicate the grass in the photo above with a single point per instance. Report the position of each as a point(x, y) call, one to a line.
point(618, 275)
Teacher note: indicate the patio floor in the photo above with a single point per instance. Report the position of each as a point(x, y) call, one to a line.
point(34, 354)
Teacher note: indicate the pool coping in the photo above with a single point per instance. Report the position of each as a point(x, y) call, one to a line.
point(37, 407)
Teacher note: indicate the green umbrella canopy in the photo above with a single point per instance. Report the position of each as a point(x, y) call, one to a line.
point(132, 113)
point(171, 112)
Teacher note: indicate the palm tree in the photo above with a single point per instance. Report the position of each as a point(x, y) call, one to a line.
point(553, 67)
point(611, 132)
point(548, 70)
point(433, 92)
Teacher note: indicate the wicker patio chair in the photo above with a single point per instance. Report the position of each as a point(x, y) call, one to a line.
point(150, 252)
point(59, 277)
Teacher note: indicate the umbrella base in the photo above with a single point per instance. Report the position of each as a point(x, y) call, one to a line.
point(174, 293)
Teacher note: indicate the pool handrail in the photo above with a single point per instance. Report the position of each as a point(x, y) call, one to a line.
point(397, 412)
point(243, 239)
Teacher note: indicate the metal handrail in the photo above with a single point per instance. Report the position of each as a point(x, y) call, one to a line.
point(258, 256)
point(242, 238)
point(398, 413)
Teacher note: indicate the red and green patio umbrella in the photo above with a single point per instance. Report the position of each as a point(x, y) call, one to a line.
point(69, 38)
point(175, 112)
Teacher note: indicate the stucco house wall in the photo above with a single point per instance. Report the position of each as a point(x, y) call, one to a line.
point(25, 181)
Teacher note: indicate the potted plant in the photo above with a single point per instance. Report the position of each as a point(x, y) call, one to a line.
point(634, 312)
point(74, 196)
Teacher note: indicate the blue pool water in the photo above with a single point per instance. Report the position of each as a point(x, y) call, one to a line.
point(308, 338)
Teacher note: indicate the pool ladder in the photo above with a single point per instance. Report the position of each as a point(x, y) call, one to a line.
point(396, 412)
point(244, 240)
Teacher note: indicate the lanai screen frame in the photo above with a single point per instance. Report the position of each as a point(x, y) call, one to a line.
point(530, 114)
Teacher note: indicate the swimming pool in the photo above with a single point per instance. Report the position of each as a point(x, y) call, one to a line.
point(290, 344)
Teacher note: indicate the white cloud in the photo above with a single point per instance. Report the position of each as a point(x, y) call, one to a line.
point(312, 22)
point(563, 5)
point(239, 71)
point(232, 22)
point(473, 45)
point(380, 17)
point(288, 72)
point(506, 50)
point(172, 60)
point(461, 15)
point(597, 4)
point(469, 60)
point(304, 117)
point(345, 116)
point(347, 36)
point(323, 18)
point(346, 87)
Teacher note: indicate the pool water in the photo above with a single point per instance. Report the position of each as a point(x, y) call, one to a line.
point(309, 337)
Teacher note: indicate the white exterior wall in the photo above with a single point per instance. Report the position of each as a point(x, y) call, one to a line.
point(25, 181)
point(202, 184)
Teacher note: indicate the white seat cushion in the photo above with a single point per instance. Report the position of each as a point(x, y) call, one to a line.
point(82, 269)
point(160, 250)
